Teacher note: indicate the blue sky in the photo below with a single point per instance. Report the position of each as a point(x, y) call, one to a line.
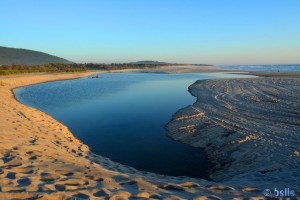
point(192, 31)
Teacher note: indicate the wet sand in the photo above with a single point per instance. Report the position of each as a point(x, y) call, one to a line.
point(250, 128)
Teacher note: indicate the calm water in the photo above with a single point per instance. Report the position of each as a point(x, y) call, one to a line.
point(267, 68)
point(122, 116)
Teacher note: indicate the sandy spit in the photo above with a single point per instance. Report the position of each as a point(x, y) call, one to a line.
point(41, 159)
point(250, 128)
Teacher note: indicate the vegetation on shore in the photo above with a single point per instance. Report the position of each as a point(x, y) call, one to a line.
point(116, 66)
point(63, 67)
point(51, 67)
point(19, 61)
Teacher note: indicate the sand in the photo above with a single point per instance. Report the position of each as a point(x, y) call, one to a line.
point(42, 159)
point(183, 69)
point(176, 69)
point(250, 128)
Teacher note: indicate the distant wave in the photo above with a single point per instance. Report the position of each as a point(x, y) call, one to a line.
point(268, 68)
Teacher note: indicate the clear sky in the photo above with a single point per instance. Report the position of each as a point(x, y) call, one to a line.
point(184, 31)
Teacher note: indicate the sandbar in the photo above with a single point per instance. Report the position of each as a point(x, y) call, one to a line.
point(249, 127)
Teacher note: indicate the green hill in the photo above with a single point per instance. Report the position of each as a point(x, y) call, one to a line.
point(27, 57)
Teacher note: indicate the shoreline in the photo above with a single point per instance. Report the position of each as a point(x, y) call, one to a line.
point(44, 159)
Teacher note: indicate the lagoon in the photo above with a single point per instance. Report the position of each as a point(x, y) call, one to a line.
point(122, 116)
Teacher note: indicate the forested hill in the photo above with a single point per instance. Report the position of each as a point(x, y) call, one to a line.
point(27, 57)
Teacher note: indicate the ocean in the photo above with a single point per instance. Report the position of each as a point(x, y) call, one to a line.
point(267, 68)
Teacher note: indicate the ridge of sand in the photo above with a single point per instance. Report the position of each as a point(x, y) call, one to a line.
point(41, 159)
point(250, 128)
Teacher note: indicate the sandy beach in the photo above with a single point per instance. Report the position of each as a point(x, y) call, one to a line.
point(42, 159)
point(183, 69)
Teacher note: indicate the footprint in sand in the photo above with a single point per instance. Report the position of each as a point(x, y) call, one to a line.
point(95, 178)
point(34, 157)
point(120, 195)
point(24, 170)
point(64, 173)
point(46, 177)
point(60, 187)
point(102, 193)
point(12, 189)
point(121, 178)
point(190, 184)
point(7, 157)
point(32, 141)
point(71, 185)
point(130, 182)
point(169, 186)
point(24, 182)
point(72, 182)
point(13, 163)
point(11, 175)
point(80, 196)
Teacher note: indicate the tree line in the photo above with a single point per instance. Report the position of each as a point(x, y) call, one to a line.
point(74, 67)
point(50, 67)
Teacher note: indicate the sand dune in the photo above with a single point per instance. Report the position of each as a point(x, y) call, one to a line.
point(41, 159)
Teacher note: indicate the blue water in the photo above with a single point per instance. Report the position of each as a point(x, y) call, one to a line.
point(267, 68)
point(122, 116)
